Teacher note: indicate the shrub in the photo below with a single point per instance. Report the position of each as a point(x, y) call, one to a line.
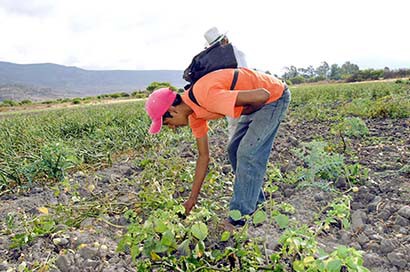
point(297, 80)
point(10, 103)
point(157, 85)
point(65, 100)
point(115, 95)
point(319, 163)
point(392, 107)
point(351, 127)
point(26, 102)
point(76, 101)
point(139, 94)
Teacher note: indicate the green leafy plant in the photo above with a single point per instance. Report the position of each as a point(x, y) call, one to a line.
point(344, 258)
point(336, 213)
point(351, 127)
point(319, 163)
point(42, 225)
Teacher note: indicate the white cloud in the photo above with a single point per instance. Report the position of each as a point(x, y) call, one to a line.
point(32, 8)
point(161, 34)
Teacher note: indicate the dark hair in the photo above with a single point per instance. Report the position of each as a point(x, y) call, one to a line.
point(176, 102)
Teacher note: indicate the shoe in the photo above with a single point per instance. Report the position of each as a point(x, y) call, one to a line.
point(236, 223)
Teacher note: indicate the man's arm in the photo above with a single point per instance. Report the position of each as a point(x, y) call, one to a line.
point(200, 172)
point(252, 100)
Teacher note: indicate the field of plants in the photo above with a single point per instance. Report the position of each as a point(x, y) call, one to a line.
point(87, 189)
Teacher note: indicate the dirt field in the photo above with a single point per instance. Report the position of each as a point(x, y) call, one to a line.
point(380, 210)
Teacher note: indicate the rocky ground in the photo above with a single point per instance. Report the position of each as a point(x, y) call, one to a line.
point(380, 210)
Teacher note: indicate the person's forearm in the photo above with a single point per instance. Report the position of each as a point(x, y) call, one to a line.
point(200, 173)
point(252, 100)
point(248, 109)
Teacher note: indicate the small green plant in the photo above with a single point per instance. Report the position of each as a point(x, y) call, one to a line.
point(298, 244)
point(55, 160)
point(351, 127)
point(344, 258)
point(336, 213)
point(42, 225)
point(300, 247)
point(356, 173)
point(319, 162)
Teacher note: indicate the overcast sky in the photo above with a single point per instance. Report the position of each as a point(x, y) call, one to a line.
point(166, 34)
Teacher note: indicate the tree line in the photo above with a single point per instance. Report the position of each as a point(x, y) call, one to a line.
point(348, 72)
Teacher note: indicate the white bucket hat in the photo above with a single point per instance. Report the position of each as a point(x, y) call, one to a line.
point(213, 36)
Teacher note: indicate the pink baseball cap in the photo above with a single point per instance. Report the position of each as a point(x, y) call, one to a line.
point(157, 105)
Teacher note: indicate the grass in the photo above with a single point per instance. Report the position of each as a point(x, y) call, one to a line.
point(86, 137)
point(367, 100)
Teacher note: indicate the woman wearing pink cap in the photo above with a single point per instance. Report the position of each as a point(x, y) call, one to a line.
point(260, 101)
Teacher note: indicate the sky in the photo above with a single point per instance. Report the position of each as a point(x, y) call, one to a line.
point(166, 34)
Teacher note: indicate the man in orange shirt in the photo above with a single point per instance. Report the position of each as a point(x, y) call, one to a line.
point(260, 100)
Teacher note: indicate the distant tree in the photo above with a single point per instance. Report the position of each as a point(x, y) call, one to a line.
point(323, 70)
point(349, 69)
point(308, 73)
point(297, 79)
point(157, 85)
point(367, 74)
point(291, 72)
point(310, 70)
point(335, 72)
point(26, 102)
point(387, 73)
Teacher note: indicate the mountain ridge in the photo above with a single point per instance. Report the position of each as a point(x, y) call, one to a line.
point(59, 81)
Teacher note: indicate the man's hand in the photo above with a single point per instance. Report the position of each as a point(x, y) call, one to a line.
point(189, 204)
point(248, 109)
point(252, 100)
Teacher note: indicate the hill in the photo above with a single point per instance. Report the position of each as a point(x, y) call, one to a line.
point(47, 80)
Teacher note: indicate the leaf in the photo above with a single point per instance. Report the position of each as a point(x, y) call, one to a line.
point(342, 252)
point(199, 249)
point(168, 238)
point(43, 210)
point(282, 220)
point(184, 248)
point(160, 226)
point(334, 266)
point(259, 217)
point(135, 251)
point(155, 256)
point(298, 266)
point(225, 236)
point(308, 260)
point(346, 223)
point(235, 215)
point(200, 231)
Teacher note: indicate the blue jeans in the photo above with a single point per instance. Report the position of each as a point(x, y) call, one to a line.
point(249, 151)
